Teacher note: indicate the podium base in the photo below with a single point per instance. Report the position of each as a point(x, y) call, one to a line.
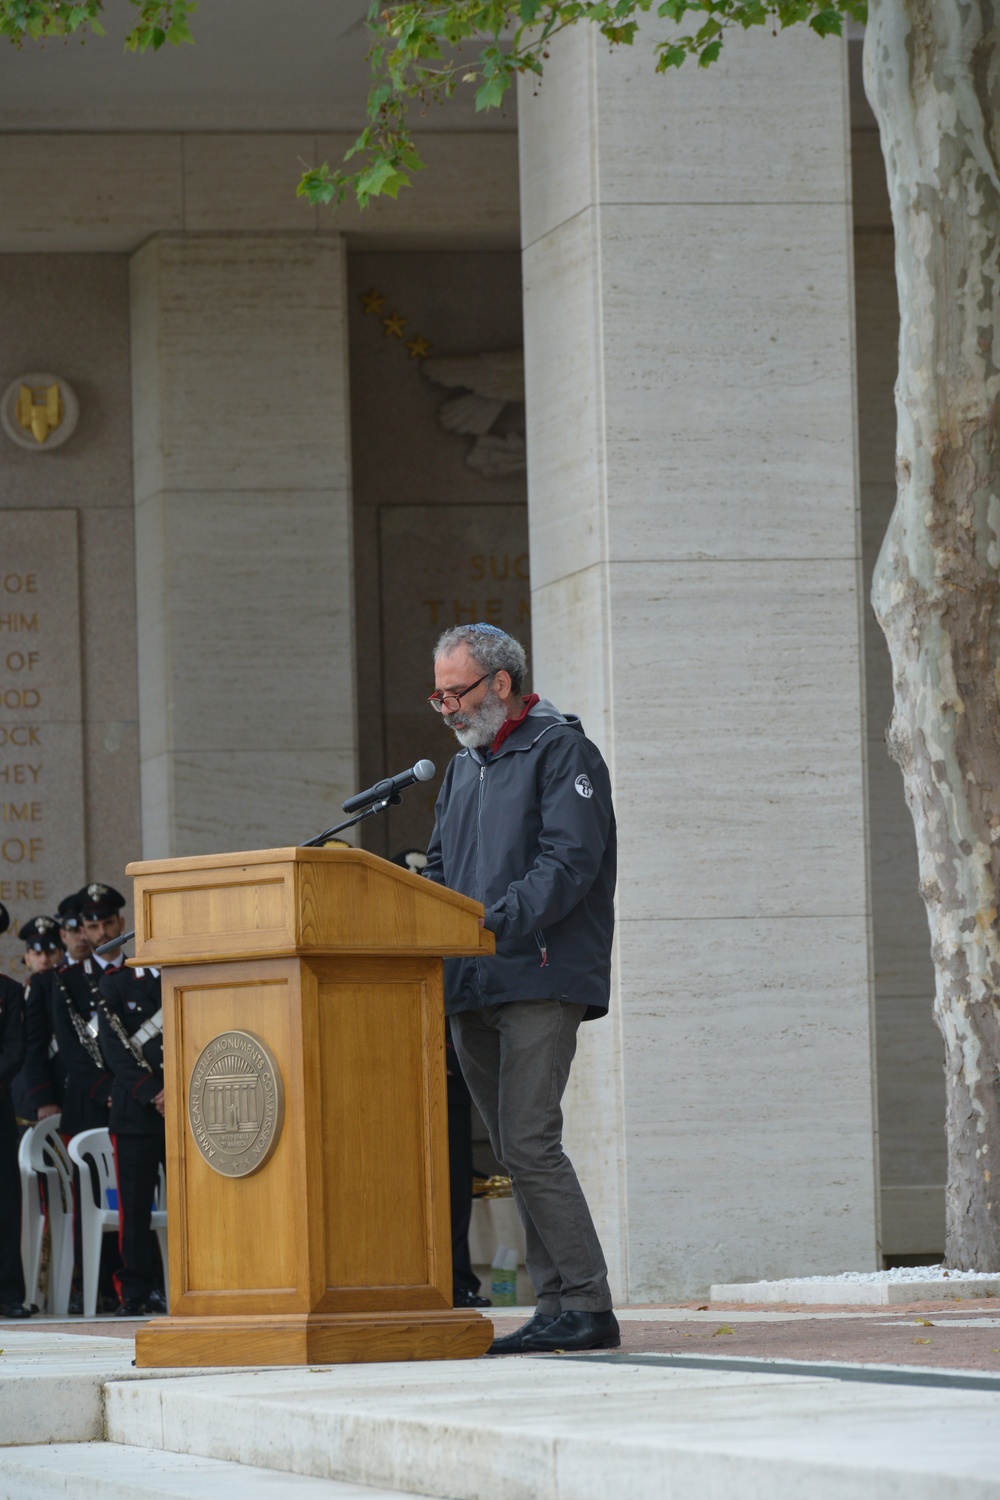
point(311, 1339)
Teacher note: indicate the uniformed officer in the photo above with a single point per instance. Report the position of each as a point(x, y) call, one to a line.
point(43, 946)
point(131, 1034)
point(74, 939)
point(63, 1004)
point(43, 950)
point(11, 1057)
point(40, 1087)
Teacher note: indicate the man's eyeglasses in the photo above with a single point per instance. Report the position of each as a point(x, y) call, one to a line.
point(448, 702)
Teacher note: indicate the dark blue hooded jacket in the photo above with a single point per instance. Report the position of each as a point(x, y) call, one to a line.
point(530, 832)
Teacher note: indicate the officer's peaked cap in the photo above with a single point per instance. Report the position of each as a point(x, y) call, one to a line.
point(40, 933)
point(68, 911)
point(97, 901)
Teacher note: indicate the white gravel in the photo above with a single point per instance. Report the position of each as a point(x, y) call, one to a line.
point(898, 1273)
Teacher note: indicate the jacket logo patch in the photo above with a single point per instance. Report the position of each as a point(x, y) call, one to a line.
point(583, 786)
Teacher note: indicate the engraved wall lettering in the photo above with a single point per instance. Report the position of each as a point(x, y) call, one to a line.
point(41, 741)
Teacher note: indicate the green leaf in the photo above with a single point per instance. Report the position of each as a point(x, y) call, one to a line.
point(827, 23)
point(490, 93)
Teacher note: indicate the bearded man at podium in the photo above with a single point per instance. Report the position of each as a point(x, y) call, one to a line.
point(524, 823)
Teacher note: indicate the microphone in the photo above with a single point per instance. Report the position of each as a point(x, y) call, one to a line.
point(118, 942)
point(422, 771)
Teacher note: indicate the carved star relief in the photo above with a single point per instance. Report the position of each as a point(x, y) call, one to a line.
point(393, 325)
point(372, 301)
point(419, 347)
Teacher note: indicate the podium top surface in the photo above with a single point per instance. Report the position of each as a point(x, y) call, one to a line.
point(262, 903)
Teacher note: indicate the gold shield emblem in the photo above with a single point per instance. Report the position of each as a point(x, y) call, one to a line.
point(39, 411)
point(236, 1103)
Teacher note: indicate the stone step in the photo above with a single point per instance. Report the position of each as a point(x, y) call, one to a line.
point(578, 1429)
point(52, 1384)
point(108, 1471)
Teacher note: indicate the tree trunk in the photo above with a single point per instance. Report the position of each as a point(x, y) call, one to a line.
point(932, 74)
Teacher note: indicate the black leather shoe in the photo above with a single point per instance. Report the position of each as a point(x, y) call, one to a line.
point(14, 1310)
point(463, 1297)
point(133, 1308)
point(156, 1302)
point(512, 1343)
point(575, 1330)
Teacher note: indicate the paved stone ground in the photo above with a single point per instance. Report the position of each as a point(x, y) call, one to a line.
point(963, 1334)
point(959, 1338)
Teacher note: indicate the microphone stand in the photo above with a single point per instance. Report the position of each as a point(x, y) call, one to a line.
point(369, 812)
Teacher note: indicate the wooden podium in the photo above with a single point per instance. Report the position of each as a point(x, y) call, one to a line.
point(306, 1113)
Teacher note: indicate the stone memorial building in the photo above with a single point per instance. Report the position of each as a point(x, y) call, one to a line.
point(616, 374)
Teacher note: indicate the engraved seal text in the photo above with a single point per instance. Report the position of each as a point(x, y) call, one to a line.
point(236, 1103)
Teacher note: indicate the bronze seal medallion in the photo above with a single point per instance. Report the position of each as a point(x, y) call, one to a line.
point(236, 1103)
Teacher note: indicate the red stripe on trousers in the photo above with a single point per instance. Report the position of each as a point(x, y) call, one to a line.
point(115, 1278)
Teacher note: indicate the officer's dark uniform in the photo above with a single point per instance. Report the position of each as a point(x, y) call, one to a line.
point(132, 999)
point(11, 1057)
point(44, 1077)
point(39, 935)
point(43, 1081)
point(70, 996)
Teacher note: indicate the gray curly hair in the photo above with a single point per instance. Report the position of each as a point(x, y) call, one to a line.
point(490, 648)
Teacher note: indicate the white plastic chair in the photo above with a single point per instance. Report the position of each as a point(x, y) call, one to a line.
point(159, 1224)
point(48, 1158)
point(32, 1222)
point(97, 1220)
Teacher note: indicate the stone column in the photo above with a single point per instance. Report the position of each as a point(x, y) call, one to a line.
point(243, 540)
point(695, 595)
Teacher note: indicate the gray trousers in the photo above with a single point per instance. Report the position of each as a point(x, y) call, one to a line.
point(516, 1060)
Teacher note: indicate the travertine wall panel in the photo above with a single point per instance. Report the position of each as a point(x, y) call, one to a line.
point(112, 192)
point(257, 799)
point(693, 508)
point(244, 320)
point(683, 139)
point(243, 540)
point(467, 197)
point(726, 1109)
point(576, 665)
point(246, 183)
point(272, 556)
point(744, 789)
point(762, 357)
